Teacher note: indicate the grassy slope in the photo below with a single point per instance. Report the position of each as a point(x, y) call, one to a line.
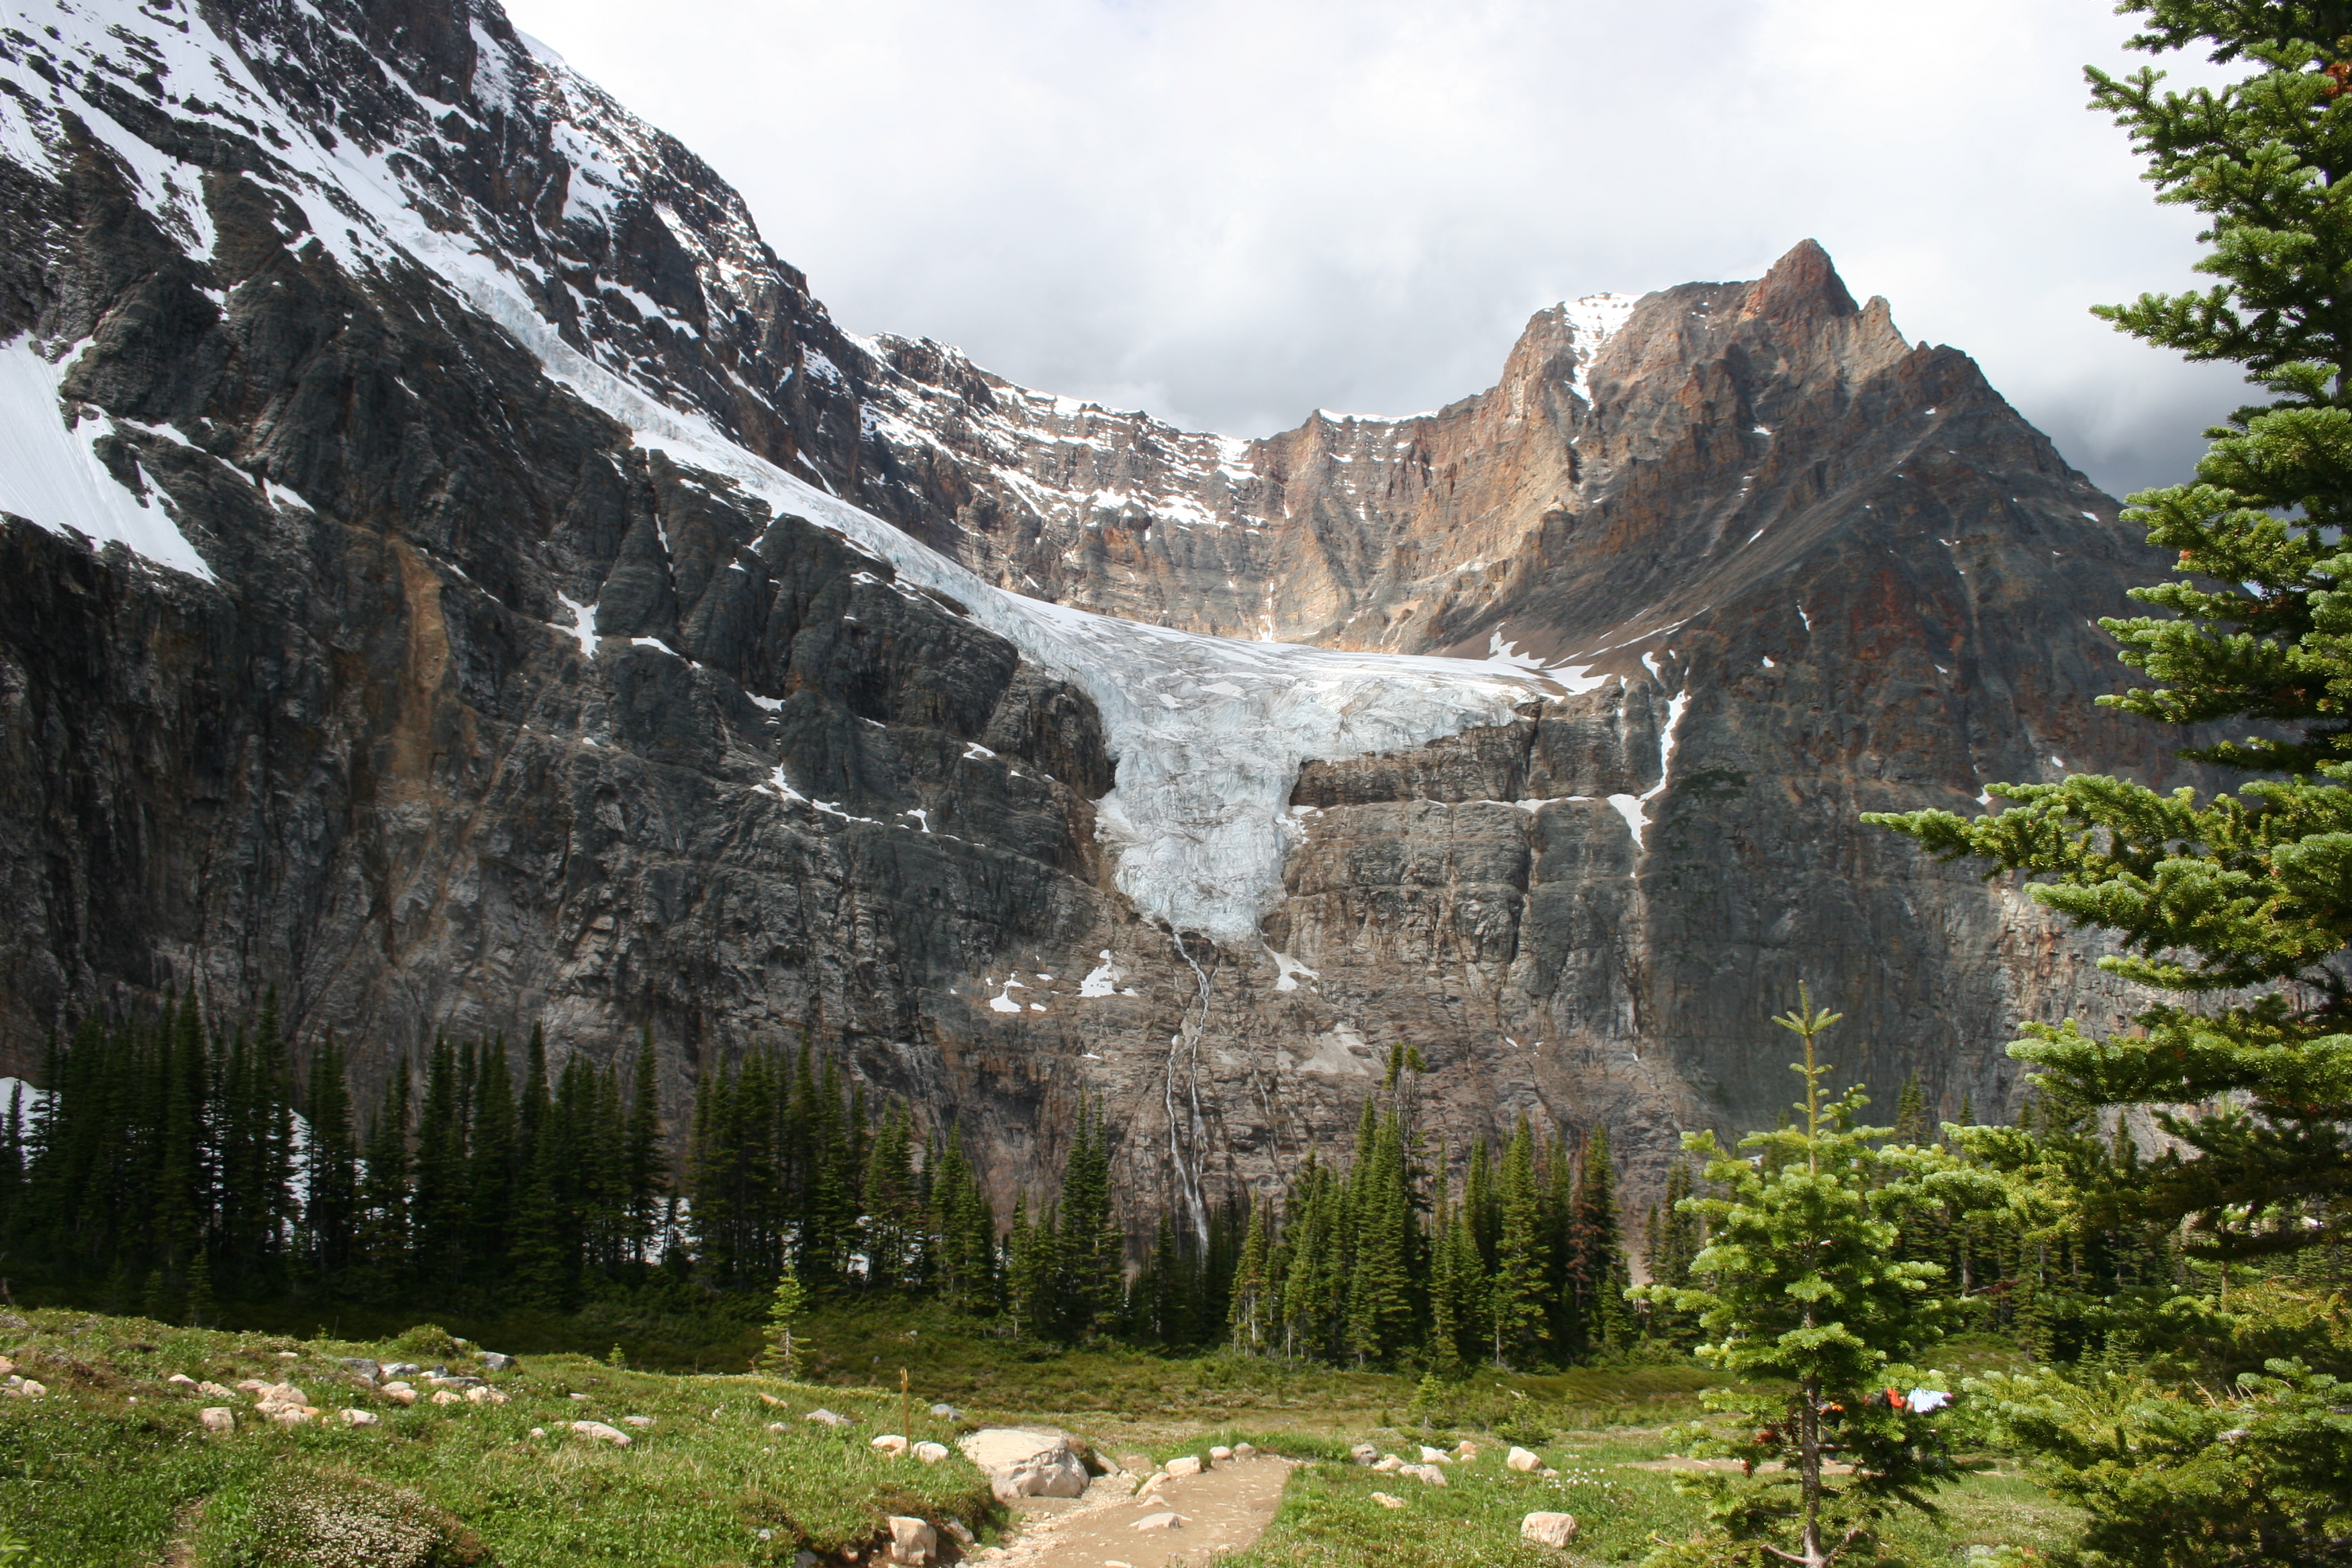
point(113, 1469)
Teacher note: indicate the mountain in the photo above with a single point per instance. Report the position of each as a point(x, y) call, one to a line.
point(455, 574)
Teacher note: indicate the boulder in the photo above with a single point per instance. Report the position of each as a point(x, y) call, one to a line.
point(400, 1369)
point(217, 1418)
point(362, 1366)
point(215, 1391)
point(181, 1380)
point(290, 1414)
point(1387, 1463)
point(1428, 1475)
point(362, 1418)
point(946, 1413)
point(1184, 1465)
point(485, 1396)
point(824, 1417)
point(1220, 1454)
point(1363, 1453)
point(779, 1427)
point(1430, 1456)
point(912, 1540)
point(1548, 1529)
point(1518, 1458)
point(640, 1422)
point(493, 1362)
point(1387, 1502)
point(1151, 1483)
point(400, 1393)
point(539, 1431)
point(448, 1397)
point(1021, 1463)
point(251, 1385)
point(889, 1442)
point(1466, 1449)
point(1244, 1451)
point(931, 1453)
point(1162, 1521)
point(597, 1432)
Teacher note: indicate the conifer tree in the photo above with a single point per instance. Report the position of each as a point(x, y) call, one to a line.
point(648, 1172)
point(1597, 1245)
point(492, 1164)
point(783, 1350)
point(1515, 1310)
point(1798, 1289)
point(384, 1187)
point(331, 1202)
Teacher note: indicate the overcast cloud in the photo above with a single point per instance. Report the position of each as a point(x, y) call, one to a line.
point(1232, 212)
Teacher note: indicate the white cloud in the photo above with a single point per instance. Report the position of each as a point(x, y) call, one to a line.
point(1233, 213)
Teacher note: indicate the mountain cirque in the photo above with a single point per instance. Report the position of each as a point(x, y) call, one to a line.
point(557, 643)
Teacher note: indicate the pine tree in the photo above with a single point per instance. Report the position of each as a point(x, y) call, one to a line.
point(384, 1189)
point(1597, 1245)
point(331, 1202)
point(1251, 1314)
point(781, 1354)
point(648, 1172)
point(1799, 1290)
point(1514, 1308)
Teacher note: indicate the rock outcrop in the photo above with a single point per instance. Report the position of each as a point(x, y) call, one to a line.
point(456, 575)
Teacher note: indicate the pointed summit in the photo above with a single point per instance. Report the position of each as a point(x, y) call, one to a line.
point(1803, 284)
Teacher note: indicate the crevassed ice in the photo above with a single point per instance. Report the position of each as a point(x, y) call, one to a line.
point(1210, 733)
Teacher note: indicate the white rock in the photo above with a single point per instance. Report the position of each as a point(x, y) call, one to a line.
point(362, 1418)
point(1363, 1453)
point(1151, 1483)
point(889, 1442)
point(1550, 1474)
point(1518, 1458)
point(1244, 1451)
point(1428, 1475)
point(912, 1540)
point(539, 1431)
point(947, 1413)
point(32, 1389)
point(485, 1396)
point(217, 1418)
point(1430, 1456)
point(1466, 1449)
point(251, 1385)
point(826, 1418)
point(596, 1431)
point(182, 1379)
point(1387, 1502)
point(1548, 1529)
point(640, 1422)
point(1023, 1463)
point(400, 1391)
point(215, 1391)
point(492, 1361)
point(1388, 1463)
point(779, 1427)
point(290, 1415)
point(1162, 1521)
point(932, 1453)
point(448, 1397)
point(1221, 1453)
point(1184, 1465)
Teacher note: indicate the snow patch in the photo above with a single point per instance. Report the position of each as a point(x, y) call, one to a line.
point(584, 625)
point(1635, 808)
point(50, 475)
point(1290, 968)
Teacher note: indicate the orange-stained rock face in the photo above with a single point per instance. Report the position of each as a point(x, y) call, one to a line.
point(494, 715)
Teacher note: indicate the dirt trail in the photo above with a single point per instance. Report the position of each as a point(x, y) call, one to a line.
point(1224, 1507)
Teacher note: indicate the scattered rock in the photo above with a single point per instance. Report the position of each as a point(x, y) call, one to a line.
point(1184, 1465)
point(1550, 1474)
point(1151, 1483)
point(912, 1540)
point(400, 1393)
point(1548, 1529)
point(362, 1366)
point(1430, 1456)
point(362, 1418)
point(596, 1431)
point(1466, 1449)
point(494, 1361)
point(1387, 1502)
point(1021, 1463)
point(932, 1453)
point(215, 1391)
point(889, 1442)
point(1220, 1454)
point(1244, 1451)
point(946, 1413)
point(252, 1385)
point(182, 1380)
point(290, 1414)
point(1161, 1521)
point(1518, 1458)
point(1428, 1475)
point(1363, 1453)
point(639, 1422)
point(217, 1418)
point(400, 1369)
point(1388, 1463)
point(486, 1396)
point(444, 1397)
point(779, 1427)
point(956, 1528)
point(289, 1355)
point(539, 1431)
point(580, 1398)
point(827, 1418)
point(6, 1366)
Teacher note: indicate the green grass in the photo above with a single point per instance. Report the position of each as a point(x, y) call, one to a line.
point(112, 1467)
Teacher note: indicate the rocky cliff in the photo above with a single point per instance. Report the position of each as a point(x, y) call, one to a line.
point(455, 574)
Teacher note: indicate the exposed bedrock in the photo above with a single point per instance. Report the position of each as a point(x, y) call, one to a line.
point(495, 712)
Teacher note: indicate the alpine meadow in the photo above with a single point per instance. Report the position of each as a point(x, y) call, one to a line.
point(644, 929)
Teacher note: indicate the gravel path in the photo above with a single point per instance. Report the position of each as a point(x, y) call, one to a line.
point(1223, 1509)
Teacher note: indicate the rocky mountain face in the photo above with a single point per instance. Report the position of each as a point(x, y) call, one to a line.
point(455, 574)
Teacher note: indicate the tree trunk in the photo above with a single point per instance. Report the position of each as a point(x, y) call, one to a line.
point(1809, 1454)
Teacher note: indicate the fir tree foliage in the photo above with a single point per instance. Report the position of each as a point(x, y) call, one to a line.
point(1801, 1287)
point(2239, 905)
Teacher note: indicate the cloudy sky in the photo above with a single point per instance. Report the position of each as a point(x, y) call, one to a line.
point(1232, 212)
